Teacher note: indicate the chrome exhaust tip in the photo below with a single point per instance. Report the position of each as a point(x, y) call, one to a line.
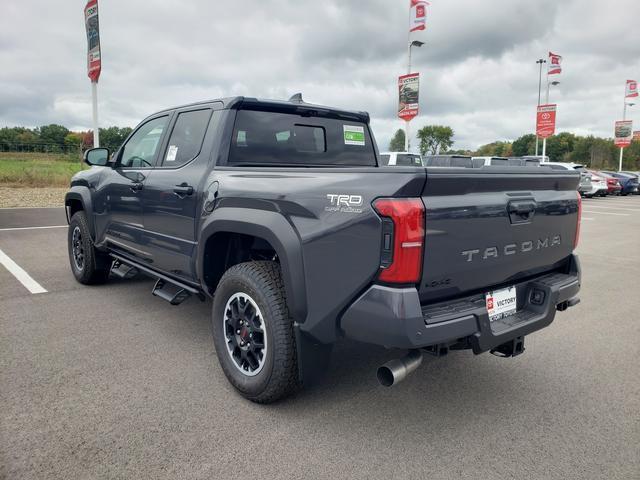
point(396, 370)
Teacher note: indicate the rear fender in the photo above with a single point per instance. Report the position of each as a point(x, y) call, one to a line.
point(275, 229)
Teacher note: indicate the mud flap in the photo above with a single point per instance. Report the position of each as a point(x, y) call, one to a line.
point(313, 357)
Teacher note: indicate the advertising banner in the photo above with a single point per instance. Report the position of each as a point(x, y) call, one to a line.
point(632, 89)
point(546, 121)
point(408, 96)
point(555, 62)
point(93, 40)
point(623, 133)
point(636, 135)
point(418, 17)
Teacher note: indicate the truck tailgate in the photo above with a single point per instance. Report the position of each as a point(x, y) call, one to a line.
point(492, 226)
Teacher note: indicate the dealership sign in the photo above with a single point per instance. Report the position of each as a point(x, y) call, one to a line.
point(636, 135)
point(546, 121)
point(623, 133)
point(408, 95)
point(94, 64)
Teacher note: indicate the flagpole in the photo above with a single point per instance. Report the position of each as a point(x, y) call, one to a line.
point(540, 61)
point(407, 142)
point(624, 117)
point(544, 140)
point(94, 104)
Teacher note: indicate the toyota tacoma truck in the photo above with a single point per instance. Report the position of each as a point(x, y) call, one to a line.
point(282, 212)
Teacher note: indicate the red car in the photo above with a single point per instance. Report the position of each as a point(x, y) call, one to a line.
point(613, 185)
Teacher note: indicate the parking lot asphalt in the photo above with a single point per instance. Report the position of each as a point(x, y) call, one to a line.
point(111, 382)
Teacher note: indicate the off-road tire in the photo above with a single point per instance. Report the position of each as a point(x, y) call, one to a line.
point(96, 265)
point(262, 281)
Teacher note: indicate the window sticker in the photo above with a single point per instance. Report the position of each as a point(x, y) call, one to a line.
point(353, 135)
point(172, 153)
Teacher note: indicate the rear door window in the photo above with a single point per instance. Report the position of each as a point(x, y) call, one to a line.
point(186, 138)
point(288, 139)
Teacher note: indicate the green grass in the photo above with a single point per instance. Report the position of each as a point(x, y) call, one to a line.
point(38, 169)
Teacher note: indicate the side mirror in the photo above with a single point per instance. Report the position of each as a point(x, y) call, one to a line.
point(98, 157)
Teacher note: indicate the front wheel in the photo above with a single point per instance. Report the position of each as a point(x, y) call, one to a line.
point(87, 264)
point(253, 332)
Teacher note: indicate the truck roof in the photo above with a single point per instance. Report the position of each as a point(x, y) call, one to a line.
point(294, 105)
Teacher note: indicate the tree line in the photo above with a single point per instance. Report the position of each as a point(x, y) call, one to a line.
point(595, 152)
point(57, 138)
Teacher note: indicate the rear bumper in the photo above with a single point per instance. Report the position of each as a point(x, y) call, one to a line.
point(394, 318)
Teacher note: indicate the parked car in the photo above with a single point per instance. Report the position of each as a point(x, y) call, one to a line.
point(505, 162)
point(539, 158)
point(489, 161)
point(637, 175)
point(629, 183)
point(613, 185)
point(448, 161)
point(401, 159)
point(233, 199)
point(599, 186)
point(585, 177)
point(525, 161)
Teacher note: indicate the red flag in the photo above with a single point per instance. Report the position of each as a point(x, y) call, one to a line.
point(632, 89)
point(418, 18)
point(94, 63)
point(554, 64)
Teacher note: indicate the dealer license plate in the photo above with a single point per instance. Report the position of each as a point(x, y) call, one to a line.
point(501, 303)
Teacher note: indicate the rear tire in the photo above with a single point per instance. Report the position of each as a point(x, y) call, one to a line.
point(89, 266)
point(253, 332)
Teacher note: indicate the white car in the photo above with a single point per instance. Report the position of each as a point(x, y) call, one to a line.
point(598, 186)
point(585, 177)
point(401, 159)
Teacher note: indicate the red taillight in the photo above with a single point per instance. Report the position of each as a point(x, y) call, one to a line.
point(575, 243)
point(407, 215)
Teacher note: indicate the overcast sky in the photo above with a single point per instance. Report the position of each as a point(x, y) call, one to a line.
point(478, 71)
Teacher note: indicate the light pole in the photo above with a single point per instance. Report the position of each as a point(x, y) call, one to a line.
point(624, 117)
point(540, 61)
point(544, 140)
point(415, 43)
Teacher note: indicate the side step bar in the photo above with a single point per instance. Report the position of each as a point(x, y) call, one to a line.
point(122, 270)
point(169, 289)
point(172, 293)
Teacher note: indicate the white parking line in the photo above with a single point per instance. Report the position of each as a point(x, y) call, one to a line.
point(30, 228)
point(23, 277)
point(24, 208)
point(608, 213)
point(622, 203)
point(616, 208)
point(586, 218)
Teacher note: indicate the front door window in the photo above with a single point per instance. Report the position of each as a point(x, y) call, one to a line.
point(141, 149)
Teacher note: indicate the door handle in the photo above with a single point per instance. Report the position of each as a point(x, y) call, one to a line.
point(136, 187)
point(521, 212)
point(183, 190)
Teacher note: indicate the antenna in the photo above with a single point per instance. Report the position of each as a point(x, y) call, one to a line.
point(297, 98)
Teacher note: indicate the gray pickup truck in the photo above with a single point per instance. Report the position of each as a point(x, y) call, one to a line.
point(282, 212)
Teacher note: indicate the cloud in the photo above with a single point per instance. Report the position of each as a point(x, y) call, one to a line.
point(478, 71)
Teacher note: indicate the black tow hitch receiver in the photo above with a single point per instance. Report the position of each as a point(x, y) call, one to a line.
point(512, 348)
